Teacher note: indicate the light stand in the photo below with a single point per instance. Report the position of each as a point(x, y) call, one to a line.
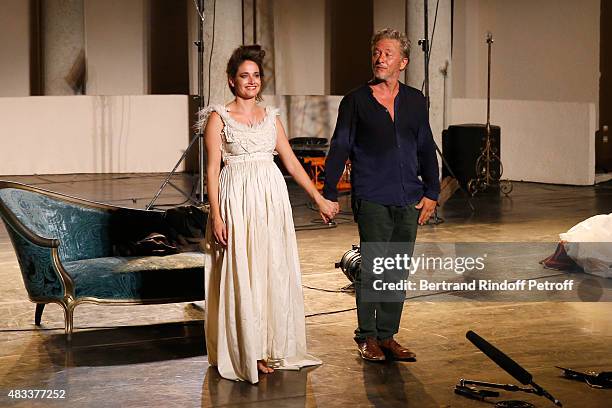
point(424, 43)
point(198, 134)
point(485, 164)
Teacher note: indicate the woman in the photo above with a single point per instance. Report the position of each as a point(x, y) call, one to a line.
point(254, 303)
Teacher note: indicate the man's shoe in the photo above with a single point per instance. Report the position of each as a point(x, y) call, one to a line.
point(370, 350)
point(398, 351)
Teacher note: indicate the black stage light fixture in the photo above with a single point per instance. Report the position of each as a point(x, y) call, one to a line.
point(350, 263)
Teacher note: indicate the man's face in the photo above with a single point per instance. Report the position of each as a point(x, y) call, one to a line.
point(387, 59)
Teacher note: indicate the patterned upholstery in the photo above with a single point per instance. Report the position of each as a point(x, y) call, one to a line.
point(84, 232)
point(88, 235)
point(149, 277)
point(39, 276)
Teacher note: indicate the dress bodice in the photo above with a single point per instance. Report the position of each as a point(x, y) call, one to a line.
point(242, 139)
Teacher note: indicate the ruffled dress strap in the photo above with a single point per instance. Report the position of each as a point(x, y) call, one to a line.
point(204, 114)
point(273, 111)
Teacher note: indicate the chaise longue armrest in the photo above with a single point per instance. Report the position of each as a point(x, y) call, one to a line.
point(25, 232)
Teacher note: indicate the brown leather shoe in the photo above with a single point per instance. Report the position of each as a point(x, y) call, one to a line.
point(370, 350)
point(398, 351)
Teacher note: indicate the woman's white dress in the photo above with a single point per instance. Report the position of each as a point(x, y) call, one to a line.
point(254, 301)
point(589, 244)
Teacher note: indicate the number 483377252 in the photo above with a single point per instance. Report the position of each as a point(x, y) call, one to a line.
point(37, 394)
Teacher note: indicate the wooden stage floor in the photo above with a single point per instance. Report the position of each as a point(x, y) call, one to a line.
point(154, 356)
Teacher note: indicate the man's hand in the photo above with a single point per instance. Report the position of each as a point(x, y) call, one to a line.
point(427, 207)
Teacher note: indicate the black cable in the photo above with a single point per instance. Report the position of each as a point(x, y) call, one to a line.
point(329, 313)
point(311, 207)
point(328, 290)
point(314, 227)
point(308, 315)
point(195, 3)
point(433, 32)
point(430, 42)
point(408, 297)
point(317, 224)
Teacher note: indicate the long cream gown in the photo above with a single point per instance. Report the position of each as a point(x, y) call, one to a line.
point(254, 301)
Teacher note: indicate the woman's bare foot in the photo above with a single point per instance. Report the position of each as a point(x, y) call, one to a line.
point(262, 366)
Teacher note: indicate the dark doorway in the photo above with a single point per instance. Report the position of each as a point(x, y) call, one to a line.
point(351, 29)
point(168, 58)
point(603, 143)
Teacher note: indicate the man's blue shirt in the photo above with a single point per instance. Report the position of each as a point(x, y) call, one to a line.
point(393, 162)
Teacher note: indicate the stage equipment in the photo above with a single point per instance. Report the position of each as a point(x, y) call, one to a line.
point(311, 152)
point(425, 46)
point(198, 134)
point(350, 263)
point(308, 146)
point(304, 148)
point(462, 145)
point(593, 379)
point(508, 365)
point(489, 168)
point(315, 167)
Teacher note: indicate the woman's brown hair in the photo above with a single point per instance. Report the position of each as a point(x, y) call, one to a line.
point(246, 53)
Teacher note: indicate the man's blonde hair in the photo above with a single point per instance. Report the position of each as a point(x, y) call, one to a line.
point(391, 34)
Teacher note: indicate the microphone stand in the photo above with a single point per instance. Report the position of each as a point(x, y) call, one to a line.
point(475, 393)
point(198, 134)
point(424, 43)
point(507, 364)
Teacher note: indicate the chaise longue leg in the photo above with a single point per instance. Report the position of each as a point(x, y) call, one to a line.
point(38, 314)
point(68, 320)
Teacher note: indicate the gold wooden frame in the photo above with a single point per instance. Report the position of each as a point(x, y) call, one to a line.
point(68, 302)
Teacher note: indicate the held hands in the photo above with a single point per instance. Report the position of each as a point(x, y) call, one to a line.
point(220, 231)
point(327, 209)
point(427, 207)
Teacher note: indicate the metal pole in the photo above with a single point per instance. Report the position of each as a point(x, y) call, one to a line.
point(199, 134)
point(201, 98)
point(489, 41)
point(426, 50)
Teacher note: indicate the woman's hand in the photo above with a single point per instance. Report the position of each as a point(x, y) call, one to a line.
point(220, 231)
point(327, 209)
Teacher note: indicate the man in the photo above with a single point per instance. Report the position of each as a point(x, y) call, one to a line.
point(383, 128)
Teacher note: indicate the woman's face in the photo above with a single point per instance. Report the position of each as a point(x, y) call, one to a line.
point(247, 82)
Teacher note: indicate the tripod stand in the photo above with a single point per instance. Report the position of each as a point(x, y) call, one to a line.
point(489, 158)
point(198, 134)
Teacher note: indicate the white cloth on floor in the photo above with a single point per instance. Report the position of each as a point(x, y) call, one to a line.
point(589, 244)
point(254, 301)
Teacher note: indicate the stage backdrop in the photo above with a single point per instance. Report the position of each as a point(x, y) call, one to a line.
point(92, 134)
point(542, 141)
